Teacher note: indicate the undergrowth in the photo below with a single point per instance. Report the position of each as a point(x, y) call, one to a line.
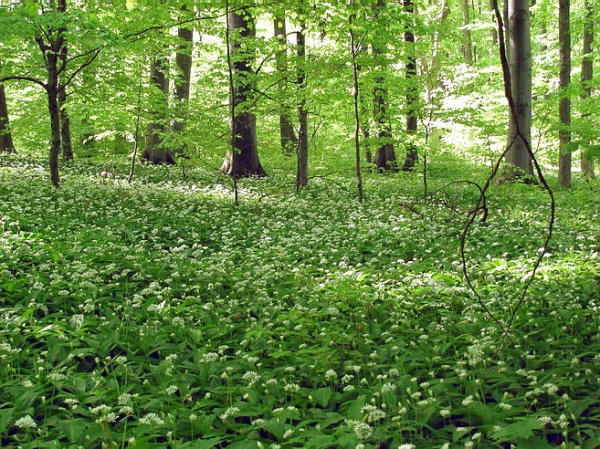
point(157, 314)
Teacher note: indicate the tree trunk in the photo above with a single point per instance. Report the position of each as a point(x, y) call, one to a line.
point(302, 177)
point(288, 138)
point(564, 133)
point(385, 157)
point(6, 141)
point(519, 51)
point(183, 59)
point(412, 95)
point(244, 160)
point(155, 151)
point(467, 40)
point(587, 72)
point(54, 110)
point(65, 121)
point(356, 103)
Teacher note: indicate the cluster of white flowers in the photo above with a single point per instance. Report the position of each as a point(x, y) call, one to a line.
point(230, 411)
point(152, 418)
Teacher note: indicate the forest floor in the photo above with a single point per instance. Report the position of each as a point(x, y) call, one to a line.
point(158, 314)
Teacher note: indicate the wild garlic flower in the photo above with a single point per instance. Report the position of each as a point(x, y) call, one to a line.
point(330, 375)
point(152, 418)
point(230, 411)
point(26, 422)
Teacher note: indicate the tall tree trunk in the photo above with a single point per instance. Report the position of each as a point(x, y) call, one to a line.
point(183, 60)
point(467, 40)
point(54, 111)
point(493, 31)
point(354, 48)
point(302, 176)
point(435, 56)
point(519, 53)
point(412, 92)
point(6, 141)
point(288, 138)
point(564, 134)
point(244, 160)
point(385, 157)
point(155, 151)
point(65, 121)
point(587, 72)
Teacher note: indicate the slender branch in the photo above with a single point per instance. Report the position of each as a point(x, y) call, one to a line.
point(518, 133)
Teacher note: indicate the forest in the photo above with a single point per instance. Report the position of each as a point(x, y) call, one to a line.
point(321, 224)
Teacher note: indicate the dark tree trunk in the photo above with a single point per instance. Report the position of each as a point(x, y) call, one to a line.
point(155, 151)
point(412, 95)
point(385, 156)
point(65, 121)
point(519, 53)
point(564, 133)
point(183, 59)
point(288, 138)
point(468, 41)
point(54, 110)
point(587, 72)
point(244, 160)
point(302, 176)
point(6, 141)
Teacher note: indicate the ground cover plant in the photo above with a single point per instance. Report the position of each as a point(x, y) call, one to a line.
point(158, 314)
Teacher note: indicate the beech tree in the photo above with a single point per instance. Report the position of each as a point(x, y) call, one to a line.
point(156, 151)
point(412, 90)
point(385, 156)
point(183, 61)
point(243, 159)
point(6, 141)
point(519, 58)
point(587, 72)
point(288, 138)
point(564, 37)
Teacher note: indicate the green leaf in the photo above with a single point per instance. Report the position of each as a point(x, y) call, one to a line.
point(73, 429)
point(322, 396)
point(518, 430)
point(592, 151)
point(569, 147)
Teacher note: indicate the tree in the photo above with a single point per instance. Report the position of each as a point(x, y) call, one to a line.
point(467, 40)
point(49, 30)
point(183, 60)
point(65, 121)
point(564, 133)
point(302, 176)
point(587, 72)
point(155, 151)
point(385, 157)
point(6, 141)
point(243, 159)
point(288, 138)
point(412, 89)
point(519, 58)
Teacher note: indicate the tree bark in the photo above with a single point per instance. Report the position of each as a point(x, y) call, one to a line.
point(6, 141)
point(243, 161)
point(183, 60)
point(155, 151)
point(288, 138)
point(385, 156)
point(467, 40)
point(564, 133)
point(302, 176)
point(412, 93)
point(587, 73)
point(519, 53)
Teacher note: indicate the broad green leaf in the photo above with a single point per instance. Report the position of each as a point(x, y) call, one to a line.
point(518, 430)
point(569, 147)
point(322, 396)
point(592, 151)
